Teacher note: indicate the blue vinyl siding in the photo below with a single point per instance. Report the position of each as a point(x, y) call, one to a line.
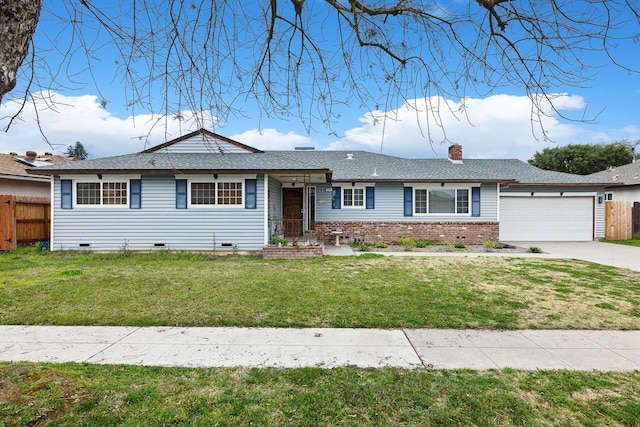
point(389, 206)
point(599, 226)
point(110, 229)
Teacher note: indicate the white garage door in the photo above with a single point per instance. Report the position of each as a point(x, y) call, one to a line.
point(546, 218)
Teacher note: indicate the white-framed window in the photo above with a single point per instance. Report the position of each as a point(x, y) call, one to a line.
point(441, 201)
point(216, 193)
point(230, 193)
point(353, 197)
point(203, 193)
point(102, 193)
point(608, 196)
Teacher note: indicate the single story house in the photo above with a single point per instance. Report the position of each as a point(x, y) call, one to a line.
point(16, 181)
point(624, 182)
point(204, 191)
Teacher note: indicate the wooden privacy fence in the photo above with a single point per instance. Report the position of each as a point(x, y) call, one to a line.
point(618, 220)
point(24, 220)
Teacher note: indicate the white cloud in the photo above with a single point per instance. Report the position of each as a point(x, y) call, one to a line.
point(272, 139)
point(499, 126)
point(67, 119)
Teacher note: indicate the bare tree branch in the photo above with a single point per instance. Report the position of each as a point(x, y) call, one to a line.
point(308, 59)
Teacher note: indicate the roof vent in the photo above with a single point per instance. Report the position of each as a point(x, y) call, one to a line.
point(32, 154)
point(48, 154)
point(349, 156)
point(13, 153)
point(304, 148)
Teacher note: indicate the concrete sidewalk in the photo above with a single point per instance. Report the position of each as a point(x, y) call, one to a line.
point(324, 347)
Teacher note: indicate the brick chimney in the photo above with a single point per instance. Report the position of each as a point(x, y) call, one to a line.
point(455, 153)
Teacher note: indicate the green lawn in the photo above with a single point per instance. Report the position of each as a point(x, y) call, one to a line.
point(631, 242)
point(86, 395)
point(184, 289)
point(197, 290)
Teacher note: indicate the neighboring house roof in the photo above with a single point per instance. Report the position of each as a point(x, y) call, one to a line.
point(14, 166)
point(621, 175)
point(336, 166)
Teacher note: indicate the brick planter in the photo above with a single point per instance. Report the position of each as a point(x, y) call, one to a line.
point(291, 252)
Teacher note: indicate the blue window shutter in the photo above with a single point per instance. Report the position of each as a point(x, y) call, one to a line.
point(250, 193)
point(135, 193)
point(66, 194)
point(336, 199)
point(181, 194)
point(475, 201)
point(371, 197)
point(408, 201)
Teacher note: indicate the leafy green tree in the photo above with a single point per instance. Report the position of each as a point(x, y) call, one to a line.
point(583, 159)
point(78, 151)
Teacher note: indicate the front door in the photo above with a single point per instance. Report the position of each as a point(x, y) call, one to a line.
point(292, 211)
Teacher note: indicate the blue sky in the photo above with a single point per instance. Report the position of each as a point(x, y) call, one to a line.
point(497, 124)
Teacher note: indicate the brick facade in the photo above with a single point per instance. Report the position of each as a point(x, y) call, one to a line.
point(291, 252)
point(472, 233)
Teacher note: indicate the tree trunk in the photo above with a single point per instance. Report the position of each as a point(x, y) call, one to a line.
point(18, 20)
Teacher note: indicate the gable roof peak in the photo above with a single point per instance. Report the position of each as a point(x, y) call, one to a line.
point(205, 134)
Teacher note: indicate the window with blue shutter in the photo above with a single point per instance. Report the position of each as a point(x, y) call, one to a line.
point(371, 198)
point(66, 194)
point(336, 198)
point(408, 201)
point(251, 193)
point(475, 201)
point(181, 194)
point(135, 194)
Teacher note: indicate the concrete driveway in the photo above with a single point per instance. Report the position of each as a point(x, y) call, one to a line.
point(598, 252)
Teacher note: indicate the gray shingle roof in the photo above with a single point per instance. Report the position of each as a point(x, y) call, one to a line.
point(362, 165)
point(627, 174)
point(345, 166)
point(182, 162)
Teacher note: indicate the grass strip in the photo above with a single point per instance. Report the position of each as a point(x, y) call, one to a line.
point(94, 395)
